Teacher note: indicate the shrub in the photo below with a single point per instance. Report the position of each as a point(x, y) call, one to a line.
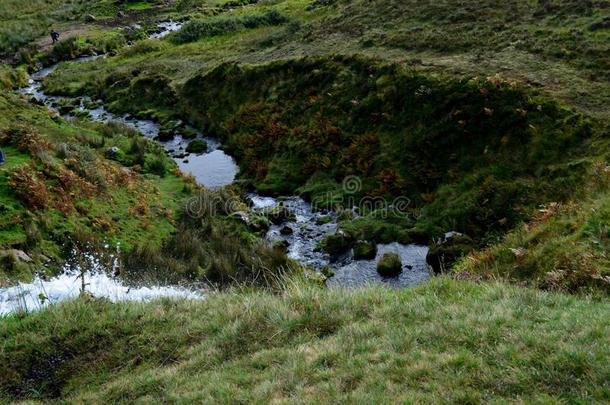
point(156, 164)
point(389, 265)
point(238, 3)
point(142, 47)
point(30, 188)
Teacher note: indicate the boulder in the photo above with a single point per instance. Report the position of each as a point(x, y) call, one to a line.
point(165, 135)
point(17, 255)
point(286, 230)
point(443, 254)
point(337, 243)
point(364, 250)
point(279, 214)
point(389, 265)
point(112, 151)
point(197, 146)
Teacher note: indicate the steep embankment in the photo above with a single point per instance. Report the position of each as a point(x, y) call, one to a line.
point(445, 341)
point(75, 184)
point(61, 186)
point(475, 155)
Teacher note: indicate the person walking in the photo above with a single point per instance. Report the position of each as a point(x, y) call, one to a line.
point(54, 36)
point(1, 157)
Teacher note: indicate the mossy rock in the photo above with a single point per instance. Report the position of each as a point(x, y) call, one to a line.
point(188, 133)
point(337, 243)
point(279, 214)
point(259, 224)
point(286, 230)
point(364, 250)
point(443, 255)
point(197, 146)
point(165, 135)
point(325, 219)
point(389, 265)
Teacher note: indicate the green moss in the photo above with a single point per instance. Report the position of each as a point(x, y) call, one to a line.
point(337, 243)
point(197, 146)
point(365, 250)
point(324, 219)
point(389, 265)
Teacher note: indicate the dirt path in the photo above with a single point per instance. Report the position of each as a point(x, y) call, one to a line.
point(45, 43)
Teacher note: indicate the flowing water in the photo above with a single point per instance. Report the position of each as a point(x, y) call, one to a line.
point(308, 229)
point(212, 169)
point(68, 285)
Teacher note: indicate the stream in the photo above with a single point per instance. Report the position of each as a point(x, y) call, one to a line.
point(212, 169)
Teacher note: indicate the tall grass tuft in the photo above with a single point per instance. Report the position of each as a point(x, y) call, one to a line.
point(199, 29)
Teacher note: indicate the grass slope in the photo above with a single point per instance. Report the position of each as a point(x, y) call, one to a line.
point(57, 185)
point(60, 189)
point(446, 342)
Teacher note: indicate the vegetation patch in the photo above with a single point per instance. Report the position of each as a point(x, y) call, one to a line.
point(471, 154)
point(365, 250)
point(446, 341)
point(389, 265)
point(198, 29)
point(197, 146)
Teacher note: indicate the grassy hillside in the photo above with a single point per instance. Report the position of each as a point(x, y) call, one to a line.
point(446, 341)
point(489, 118)
point(26, 24)
point(60, 189)
point(479, 114)
point(57, 184)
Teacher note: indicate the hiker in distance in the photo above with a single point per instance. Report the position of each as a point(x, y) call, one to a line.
point(54, 36)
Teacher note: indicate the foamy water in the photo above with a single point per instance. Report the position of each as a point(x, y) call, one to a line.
point(27, 297)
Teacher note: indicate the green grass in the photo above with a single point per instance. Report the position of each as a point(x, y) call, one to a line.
point(11, 230)
point(564, 245)
point(443, 342)
point(139, 5)
point(107, 214)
